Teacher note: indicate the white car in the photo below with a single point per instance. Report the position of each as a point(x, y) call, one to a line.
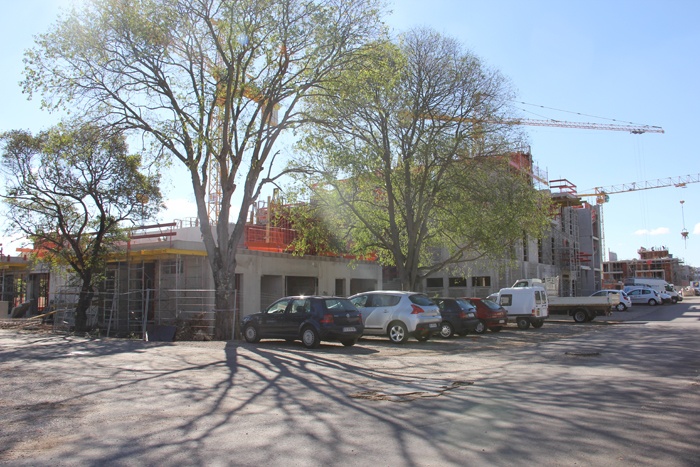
point(398, 314)
point(644, 296)
point(625, 301)
point(666, 297)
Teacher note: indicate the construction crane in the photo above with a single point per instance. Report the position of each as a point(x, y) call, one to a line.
point(601, 192)
point(634, 129)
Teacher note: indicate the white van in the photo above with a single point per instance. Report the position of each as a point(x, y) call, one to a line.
point(526, 305)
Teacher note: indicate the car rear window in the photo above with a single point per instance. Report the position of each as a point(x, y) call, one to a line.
point(491, 305)
point(420, 300)
point(464, 305)
point(339, 304)
point(539, 297)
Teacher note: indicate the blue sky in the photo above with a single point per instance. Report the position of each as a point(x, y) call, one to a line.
point(634, 61)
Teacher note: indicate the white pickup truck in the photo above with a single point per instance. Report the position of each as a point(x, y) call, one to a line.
point(581, 309)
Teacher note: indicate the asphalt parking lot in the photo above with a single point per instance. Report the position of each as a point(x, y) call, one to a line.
point(620, 391)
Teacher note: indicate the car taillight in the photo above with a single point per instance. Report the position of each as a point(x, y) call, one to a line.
point(327, 319)
point(534, 312)
point(416, 309)
point(462, 314)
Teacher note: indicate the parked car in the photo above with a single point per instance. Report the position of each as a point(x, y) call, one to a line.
point(644, 296)
point(491, 315)
point(458, 316)
point(398, 315)
point(666, 297)
point(311, 319)
point(625, 301)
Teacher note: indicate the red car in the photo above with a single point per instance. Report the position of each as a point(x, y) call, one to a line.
point(491, 315)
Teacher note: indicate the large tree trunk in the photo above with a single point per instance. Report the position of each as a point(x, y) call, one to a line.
point(226, 325)
point(84, 302)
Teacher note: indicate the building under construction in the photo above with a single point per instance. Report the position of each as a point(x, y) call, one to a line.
point(569, 253)
point(654, 263)
point(163, 278)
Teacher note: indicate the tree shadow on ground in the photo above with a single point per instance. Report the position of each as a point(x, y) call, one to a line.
point(594, 389)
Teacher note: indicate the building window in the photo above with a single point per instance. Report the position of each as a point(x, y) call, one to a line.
point(340, 287)
point(481, 281)
point(458, 281)
point(554, 253)
point(433, 282)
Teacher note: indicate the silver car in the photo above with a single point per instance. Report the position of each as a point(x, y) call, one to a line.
point(625, 301)
point(398, 314)
point(644, 296)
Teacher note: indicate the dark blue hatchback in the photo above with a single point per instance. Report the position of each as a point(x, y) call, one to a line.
point(311, 319)
point(458, 316)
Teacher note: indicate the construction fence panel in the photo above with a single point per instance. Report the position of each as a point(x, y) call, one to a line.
point(191, 312)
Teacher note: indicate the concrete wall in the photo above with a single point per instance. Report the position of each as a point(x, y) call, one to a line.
point(266, 276)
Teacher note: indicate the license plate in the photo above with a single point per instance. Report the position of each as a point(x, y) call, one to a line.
point(432, 325)
point(502, 321)
point(349, 329)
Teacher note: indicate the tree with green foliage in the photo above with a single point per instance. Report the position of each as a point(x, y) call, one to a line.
point(411, 158)
point(73, 191)
point(212, 83)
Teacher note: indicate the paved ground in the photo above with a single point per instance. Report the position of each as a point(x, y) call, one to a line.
point(620, 391)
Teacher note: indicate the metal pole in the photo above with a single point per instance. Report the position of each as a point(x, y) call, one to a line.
point(235, 315)
point(145, 315)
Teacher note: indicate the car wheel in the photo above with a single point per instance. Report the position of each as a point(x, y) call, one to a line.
point(398, 334)
point(496, 328)
point(620, 307)
point(523, 323)
point(446, 330)
point(674, 300)
point(348, 342)
point(537, 323)
point(580, 316)
point(250, 333)
point(652, 302)
point(480, 327)
point(310, 338)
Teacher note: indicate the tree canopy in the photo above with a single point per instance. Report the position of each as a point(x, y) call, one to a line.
point(73, 190)
point(212, 83)
point(411, 162)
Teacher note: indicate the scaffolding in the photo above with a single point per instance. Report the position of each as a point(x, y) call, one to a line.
point(566, 245)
